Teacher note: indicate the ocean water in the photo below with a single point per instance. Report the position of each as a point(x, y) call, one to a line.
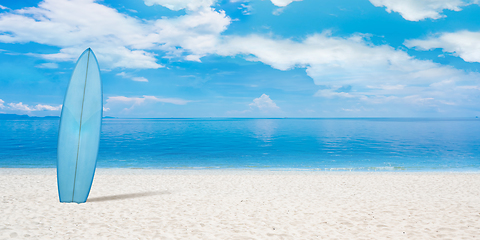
point(303, 144)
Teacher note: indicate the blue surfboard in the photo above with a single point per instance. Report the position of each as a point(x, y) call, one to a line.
point(79, 132)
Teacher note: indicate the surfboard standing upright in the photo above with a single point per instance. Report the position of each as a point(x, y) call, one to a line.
point(79, 132)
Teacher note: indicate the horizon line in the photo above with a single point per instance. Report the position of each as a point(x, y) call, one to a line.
point(111, 117)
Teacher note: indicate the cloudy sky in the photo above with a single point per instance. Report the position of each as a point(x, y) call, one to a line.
point(241, 58)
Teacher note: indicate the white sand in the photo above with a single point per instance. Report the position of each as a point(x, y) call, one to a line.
point(215, 204)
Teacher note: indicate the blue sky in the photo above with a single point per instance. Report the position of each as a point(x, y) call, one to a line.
point(240, 58)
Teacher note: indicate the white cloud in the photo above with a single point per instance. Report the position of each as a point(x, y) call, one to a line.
point(1, 104)
point(330, 93)
point(246, 9)
point(351, 110)
point(76, 25)
point(376, 73)
point(123, 74)
point(283, 3)
point(175, 5)
point(176, 101)
point(419, 100)
point(139, 79)
point(3, 7)
point(197, 33)
point(39, 107)
point(106, 109)
point(48, 65)
point(261, 105)
point(388, 87)
point(194, 58)
point(469, 87)
point(464, 44)
point(278, 11)
point(416, 10)
point(20, 106)
point(264, 104)
point(117, 39)
point(132, 77)
point(132, 102)
point(278, 3)
point(329, 59)
point(443, 84)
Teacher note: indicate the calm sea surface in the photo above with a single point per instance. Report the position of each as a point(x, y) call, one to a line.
point(319, 144)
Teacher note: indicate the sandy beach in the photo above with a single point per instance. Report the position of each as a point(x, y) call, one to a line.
point(241, 204)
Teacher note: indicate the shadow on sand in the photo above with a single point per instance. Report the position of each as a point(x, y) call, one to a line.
point(126, 196)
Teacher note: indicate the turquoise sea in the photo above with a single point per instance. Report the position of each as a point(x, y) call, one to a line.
point(370, 144)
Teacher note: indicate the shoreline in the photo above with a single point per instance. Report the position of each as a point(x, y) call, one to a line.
point(121, 170)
